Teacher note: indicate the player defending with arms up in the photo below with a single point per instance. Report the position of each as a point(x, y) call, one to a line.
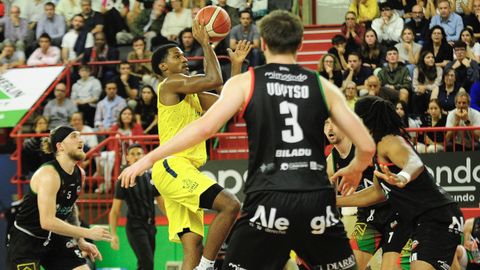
point(40, 235)
point(285, 107)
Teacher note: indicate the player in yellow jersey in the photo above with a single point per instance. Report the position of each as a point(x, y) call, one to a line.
point(185, 190)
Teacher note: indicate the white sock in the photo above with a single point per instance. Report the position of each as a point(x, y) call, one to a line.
point(205, 264)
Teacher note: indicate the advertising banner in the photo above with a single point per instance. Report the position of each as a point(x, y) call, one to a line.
point(458, 173)
point(20, 88)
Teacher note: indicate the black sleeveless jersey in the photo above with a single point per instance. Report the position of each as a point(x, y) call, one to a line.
point(285, 117)
point(367, 179)
point(417, 197)
point(28, 217)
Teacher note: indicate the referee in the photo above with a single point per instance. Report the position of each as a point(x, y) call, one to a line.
point(140, 214)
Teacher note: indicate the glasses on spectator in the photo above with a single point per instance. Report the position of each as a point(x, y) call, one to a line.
point(350, 18)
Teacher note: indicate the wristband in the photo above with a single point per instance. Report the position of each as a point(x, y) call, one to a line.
point(405, 175)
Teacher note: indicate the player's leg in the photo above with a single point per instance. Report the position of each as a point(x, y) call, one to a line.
point(23, 251)
point(390, 261)
point(227, 207)
point(365, 241)
point(192, 249)
point(395, 241)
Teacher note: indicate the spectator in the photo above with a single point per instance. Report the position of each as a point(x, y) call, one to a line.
point(366, 11)
point(52, 24)
point(473, 48)
point(149, 25)
point(77, 122)
point(351, 94)
point(191, 48)
point(448, 90)
point(76, 41)
point(329, 67)
point(427, 78)
point(32, 11)
point(146, 111)
point(10, 57)
point(93, 19)
point(419, 24)
point(438, 44)
point(140, 53)
point(434, 141)
point(32, 154)
point(58, 110)
point(339, 43)
point(115, 13)
point(68, 9)
point(46, 54)
point(395, 76)
point(86, 93)
point(475, 96)
point(127, 84)
point(372, 52)
point(374, 88)
point(176, 20)
point(466, 69)
point(353, 32)
point(408, 50)
point(473, 20)
point(356, 72)
point(462, 116)
point(450, 21)
point(408, 122)
point(15, 29)
point(98, 53)
point(389, 26)
point(232, 12)
point(124, 126)
point(108, 109)
point(247, 30)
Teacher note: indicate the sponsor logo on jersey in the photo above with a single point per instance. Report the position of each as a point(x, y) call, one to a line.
point(27, 266)
point(287, 77)
point(296, 152)
point(443, 265)
point(70, 244)
point(343, 264)
point(320, 223)
point(359, 229)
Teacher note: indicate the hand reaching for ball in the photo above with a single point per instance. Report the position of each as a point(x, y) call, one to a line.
point(200, 33)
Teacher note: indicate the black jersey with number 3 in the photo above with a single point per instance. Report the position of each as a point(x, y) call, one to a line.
point(285, 116)
point(28, 217)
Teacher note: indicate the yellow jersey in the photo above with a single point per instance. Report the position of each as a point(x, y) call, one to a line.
point(173, 118)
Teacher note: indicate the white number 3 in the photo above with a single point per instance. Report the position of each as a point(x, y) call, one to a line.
point(295, 134)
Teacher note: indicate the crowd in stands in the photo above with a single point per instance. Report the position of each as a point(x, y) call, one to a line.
point(422, 56)
point(112, 97)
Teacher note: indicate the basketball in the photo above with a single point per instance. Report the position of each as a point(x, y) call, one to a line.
point(216, 21)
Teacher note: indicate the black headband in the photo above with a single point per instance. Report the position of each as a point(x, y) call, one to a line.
point(59, 134)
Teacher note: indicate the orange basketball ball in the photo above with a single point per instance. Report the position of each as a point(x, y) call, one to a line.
point(216, 21)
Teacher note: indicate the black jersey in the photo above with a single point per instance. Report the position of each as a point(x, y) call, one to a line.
point(28, 217)
point(367, 180)
point(139, 199)
point(417, 197)
point(285, 117)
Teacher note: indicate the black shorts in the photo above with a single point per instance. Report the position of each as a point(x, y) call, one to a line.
point(274, 223)
point(27, 252)
point(380, 227)
point(437, 235)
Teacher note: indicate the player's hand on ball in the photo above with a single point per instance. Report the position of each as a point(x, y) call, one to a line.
point(200, 33)
point(241, 51)
point(97, 233)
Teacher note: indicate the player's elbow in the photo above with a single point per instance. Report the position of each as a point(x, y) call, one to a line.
point(47, 224)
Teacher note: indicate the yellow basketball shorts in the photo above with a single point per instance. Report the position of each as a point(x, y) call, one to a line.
point(181, 184)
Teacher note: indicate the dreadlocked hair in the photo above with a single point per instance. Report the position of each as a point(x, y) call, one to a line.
point(380, 117)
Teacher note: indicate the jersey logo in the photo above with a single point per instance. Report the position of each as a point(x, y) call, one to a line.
point(371, 217)
point(273, 224)
point(456, 225)
point(320, 223)
point(359, 229)
point(386, 190)
point(27, 266)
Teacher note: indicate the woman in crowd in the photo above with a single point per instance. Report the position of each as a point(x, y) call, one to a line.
point(448, 90)
point(437, 43)
point(427, 78)
point(146, 111)
point(373, 53)
point(434, 141)
point(473, 48)
point(408, 49)
point(329, 67)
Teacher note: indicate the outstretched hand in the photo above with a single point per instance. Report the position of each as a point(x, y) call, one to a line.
point(391, 178)
point(349, 179)
point(241, 51)
point(129, 174)
point(89, 250)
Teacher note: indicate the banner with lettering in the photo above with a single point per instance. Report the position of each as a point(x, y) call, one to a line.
point(458, 173)
point(20, 88)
